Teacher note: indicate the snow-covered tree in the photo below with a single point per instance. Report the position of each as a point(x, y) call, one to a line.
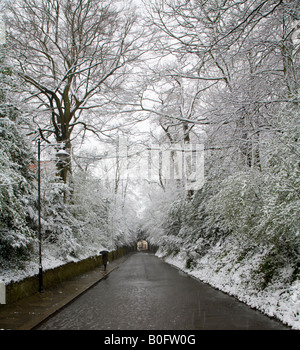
point(16, 178)
point(246, 64)
point(72, 56)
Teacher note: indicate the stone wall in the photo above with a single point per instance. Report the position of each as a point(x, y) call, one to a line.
point(30, 285)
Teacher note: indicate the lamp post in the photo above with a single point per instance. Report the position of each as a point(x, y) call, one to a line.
point(39, 220)
point(61, 155)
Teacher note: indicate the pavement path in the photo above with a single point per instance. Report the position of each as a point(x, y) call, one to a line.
point(29, 312)
point(145, 293)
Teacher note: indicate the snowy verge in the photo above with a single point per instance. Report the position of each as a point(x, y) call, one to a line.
point(279, 299)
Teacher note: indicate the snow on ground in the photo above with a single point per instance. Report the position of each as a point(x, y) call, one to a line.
point(221, 271)
point(278, 299)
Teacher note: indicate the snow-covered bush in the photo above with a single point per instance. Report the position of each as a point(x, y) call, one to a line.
point(238, 203)
point(279, 224)
point(259, 207)
point(90, 205)
point(82, 217)
point(60, 229)
point(16, 237)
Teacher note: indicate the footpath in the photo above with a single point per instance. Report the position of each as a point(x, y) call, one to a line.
point(29, 312)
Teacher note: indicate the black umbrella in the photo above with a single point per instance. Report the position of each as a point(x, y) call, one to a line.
point(104, 252)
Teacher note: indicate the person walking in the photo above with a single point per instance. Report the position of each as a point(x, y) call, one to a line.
point(104, 254)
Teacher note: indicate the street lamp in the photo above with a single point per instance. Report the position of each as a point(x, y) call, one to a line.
point(63, 156)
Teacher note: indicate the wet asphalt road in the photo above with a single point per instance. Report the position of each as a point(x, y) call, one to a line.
point(146, 293)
